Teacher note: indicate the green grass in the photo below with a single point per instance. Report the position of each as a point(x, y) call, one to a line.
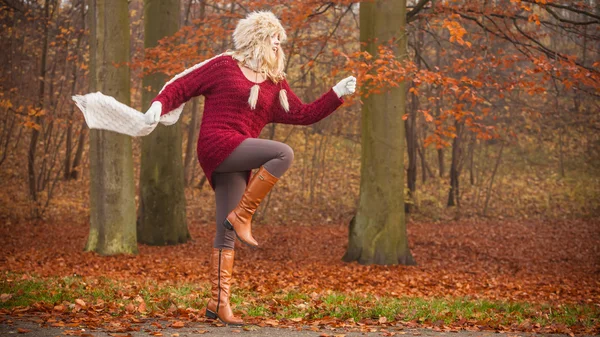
point(292, 304)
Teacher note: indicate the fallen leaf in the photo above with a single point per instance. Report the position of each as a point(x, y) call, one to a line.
point(271, 322)
point(178, 325)
point(142, 307)
point(5, 297)
point(130, 308)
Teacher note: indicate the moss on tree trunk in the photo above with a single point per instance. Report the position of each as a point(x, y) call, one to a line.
point(112, 190)
point(162, 219)
point(378, 231)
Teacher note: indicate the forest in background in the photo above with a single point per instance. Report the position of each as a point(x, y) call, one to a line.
point(502, 111)
point(502, 185)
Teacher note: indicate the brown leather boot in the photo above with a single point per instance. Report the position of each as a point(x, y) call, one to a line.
point(218, 306)
point(240, 218)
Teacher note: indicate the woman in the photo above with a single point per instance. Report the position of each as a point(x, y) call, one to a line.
point(244, 90)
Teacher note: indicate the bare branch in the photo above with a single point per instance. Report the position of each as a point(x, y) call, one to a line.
point(569, 8)
point(557, 17)
point(410, 16)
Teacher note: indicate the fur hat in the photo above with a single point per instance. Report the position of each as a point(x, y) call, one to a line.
point(255, 28)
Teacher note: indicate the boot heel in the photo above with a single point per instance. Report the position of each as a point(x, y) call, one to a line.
point(211, 314)
point(227, 225)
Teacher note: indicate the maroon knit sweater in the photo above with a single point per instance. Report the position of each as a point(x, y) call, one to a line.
point(228, 119)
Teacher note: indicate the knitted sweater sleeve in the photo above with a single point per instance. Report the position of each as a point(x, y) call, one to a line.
point(306, 114)
point(190, 83)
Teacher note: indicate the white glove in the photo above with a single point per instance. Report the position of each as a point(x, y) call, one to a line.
point(345, 87)
point(152, 116)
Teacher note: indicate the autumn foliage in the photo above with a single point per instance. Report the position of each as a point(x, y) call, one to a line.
point(502, 158)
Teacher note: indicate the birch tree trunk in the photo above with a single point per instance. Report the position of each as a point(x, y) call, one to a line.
point(162, 218)
point(378, 231)
point(112, 190)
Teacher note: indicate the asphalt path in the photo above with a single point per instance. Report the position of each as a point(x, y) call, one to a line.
point(32, 327)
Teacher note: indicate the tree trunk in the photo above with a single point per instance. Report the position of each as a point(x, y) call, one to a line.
point(112, 195)
point(454, 168)
point(378, 231)
point(192, 137)
point(411, 147)
point(162, 219)
point(35, 133)
point(190, 148)
point(489, 191)
point(438, 112)
point(471, 164)
point(79, 152)
point(70, 172)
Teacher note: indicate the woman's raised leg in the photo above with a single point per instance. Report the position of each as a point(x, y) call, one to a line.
point(273, 159)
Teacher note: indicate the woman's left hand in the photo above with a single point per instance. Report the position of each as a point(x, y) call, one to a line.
point(345, 87)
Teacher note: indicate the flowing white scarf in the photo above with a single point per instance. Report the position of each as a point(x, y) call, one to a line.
point(106, 113)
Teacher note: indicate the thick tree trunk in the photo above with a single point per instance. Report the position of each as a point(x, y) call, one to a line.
point(378, 231)
point(162, 219)
point(112, 195)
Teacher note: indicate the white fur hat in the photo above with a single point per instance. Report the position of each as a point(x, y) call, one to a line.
point(255, 28)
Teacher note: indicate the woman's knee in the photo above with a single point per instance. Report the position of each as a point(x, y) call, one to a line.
point(287, 154)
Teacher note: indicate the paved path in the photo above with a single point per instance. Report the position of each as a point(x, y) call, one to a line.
point(28, 327)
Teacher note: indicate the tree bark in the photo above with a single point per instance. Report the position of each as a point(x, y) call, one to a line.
point(79, 152)
point(35, 133)
point(190, 148)
point(112, 187)
point(453, 194)
point(378, 231)
point(162, 219)
point(411, 147)
point(70, 172)
point(489, 191)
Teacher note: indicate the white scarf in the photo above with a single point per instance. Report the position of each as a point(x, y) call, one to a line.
point(106, 113)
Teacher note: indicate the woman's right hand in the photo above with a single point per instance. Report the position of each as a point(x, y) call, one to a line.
point(152, 116)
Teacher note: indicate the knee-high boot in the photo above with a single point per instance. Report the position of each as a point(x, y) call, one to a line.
point(240, 219)
point(221, 269)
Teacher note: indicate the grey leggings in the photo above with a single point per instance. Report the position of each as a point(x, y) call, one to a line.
point(229, 178)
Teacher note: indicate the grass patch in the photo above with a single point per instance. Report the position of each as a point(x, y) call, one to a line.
point(20, 292)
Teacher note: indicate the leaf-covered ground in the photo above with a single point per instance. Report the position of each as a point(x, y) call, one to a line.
point(532, 261)
point(553, 264)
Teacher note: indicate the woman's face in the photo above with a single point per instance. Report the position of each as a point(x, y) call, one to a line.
point(275, 43)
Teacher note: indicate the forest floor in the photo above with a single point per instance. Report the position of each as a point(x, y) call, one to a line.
point(472, 275)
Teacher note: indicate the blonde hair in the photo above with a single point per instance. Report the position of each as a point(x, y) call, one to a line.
point(252, 41)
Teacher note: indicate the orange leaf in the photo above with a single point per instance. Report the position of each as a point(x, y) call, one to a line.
point(178, 324)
